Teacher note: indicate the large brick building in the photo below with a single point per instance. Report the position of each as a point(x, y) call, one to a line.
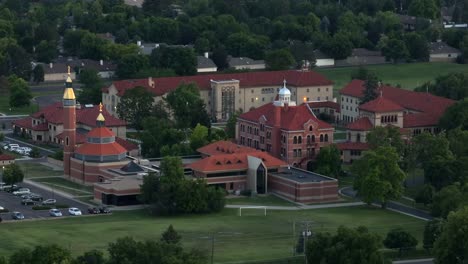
point(411, 112)
point(236, 168)
point(288, 131)
point(223, 94)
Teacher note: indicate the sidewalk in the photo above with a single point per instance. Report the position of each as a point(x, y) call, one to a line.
point(293, 208)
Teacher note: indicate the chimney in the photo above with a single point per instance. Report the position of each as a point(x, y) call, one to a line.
point(150, 82)
point(139, 43)
point(101, 62)
point(206, 55)
point(51, 65)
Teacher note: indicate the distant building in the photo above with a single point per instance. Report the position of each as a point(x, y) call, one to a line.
point(411, 112)
point(329, 108)
point(244, 63)
point(409, 23)
point(361, 56)
point(205, 64)
point(323, 60)
point(236, 168)
point(58, 71)
point(441, 52)
point(147, 48)
point(6, 160)
point(224, 94)
point(287, 131)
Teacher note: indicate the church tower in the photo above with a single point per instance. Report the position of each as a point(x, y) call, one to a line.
point(69, 124)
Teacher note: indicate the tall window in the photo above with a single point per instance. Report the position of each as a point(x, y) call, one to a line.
point(321, 138)
point(227, 101)
point(299, 140)
point(295, 140)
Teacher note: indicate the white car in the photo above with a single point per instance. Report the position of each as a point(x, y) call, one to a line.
point(74, 211)
point(49, 202)
point(22, 191)
point(2, 208)
point(55, 212)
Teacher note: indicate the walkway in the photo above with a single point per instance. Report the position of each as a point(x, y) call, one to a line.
point(293, 208)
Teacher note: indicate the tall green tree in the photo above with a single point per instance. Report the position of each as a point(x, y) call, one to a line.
point(371, 84)
point(91, 90)
point(386, 136)
point(352, 246)
point(130, 64)
point(20, 94)
point(452, 245)
point(449, 199)
point(38, 74)
point(170, 236)
point(417, 45)
point(432, 231)
point(231, 125)
point(199, 137)
point(424, 8)
point(395, 50)
point(90, 257)
point(455, 116)
point(400, 239)
point(329, 161)
point(279, 60)
point(181, 59)
point(12, 174)
point(378, 176)
point(135, 105)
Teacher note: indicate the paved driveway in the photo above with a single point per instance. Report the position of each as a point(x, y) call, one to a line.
point(13, 203)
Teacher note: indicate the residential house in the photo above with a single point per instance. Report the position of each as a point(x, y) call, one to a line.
point(323, 60)
point(361, 56)
point(244, 63)
point(205, 64)
point(441, 52)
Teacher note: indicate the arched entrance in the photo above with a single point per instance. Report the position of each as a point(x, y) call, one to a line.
point(261, 179)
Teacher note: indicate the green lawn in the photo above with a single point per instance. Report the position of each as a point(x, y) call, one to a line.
point(254, 237)
point(5, 107)
point(33, 170)
point(408, 76)
point(259, 200)
point(65, 185)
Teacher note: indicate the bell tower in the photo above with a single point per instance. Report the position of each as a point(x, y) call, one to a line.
point(69, 124)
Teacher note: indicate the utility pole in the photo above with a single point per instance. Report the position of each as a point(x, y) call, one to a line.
point(212, 247)
point(305, 233)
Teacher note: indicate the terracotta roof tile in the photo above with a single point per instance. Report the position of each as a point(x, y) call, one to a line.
point(41, 127)
point(24, 123)
point(100, 149)
point(79, 139)
point(247, 79)
point(6, 157)
point(223, 147)
point(291, 118)
point(325, 104)
point(129, 146)
point(381, 105)
point(100, 132)
point(361, 124)
point(353, 146)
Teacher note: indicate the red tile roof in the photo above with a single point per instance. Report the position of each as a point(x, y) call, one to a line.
point(419, 120)
point(223, 147)
point(24, 123)
point(361, 124)
point(100, 132)
point(246, 79)
point(353, 146)
point(235, 161)
point(113, 148)
point(79, 139)
point(84, 115)
point(129, 146)
point(291, 117)
point(381, 105)
point(41, 127)
point(6, 157)
point(325, 104)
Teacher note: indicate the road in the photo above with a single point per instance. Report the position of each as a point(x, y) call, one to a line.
point(415, 261)
point(51, 87)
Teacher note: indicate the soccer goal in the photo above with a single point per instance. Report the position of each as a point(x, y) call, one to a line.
point(253, 208)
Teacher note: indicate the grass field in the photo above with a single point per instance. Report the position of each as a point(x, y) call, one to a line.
point(65, 185)
point(33, 170)
point(253, 237)
point(259, 200)
point(408, 76)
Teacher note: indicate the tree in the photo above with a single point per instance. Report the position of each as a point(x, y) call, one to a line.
point(351, 246)
point(135, 105)
point(170, 236)
point(452, 244)
point(449, 199)
point(371, 84)
point(131, 64)
point(219, 58)
point(395, 50)
point(279, 60)
point(361, 73)
point(231, 125)
point(329, 161)
point(378, 176)
point(12, 174)
point(91, 90)
point(339, 46)
point(453, 86)
point(91, 257)
point(199, 137)
point(20, 95)
point(386, 136)
point(46, 51)
point(417, 46)
point(42, 254)
point(455, 116)
point(187, 107)
point(38, 74)
point(158, 133)
point(424, 8)
point(181, 59)
point(432, 231)
point(425, 195)
point(400, 239)
point(35, 153)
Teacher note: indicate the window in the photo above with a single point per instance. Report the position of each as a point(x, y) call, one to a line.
point(327, 89)
point(318, 90)
point(299, 152)
point(295, 153)
point(308, 139)
point(252, 91)
point(349, 136)
point(67, 141)
point(313, 138)
point(326, 137)
point(310, 128)
point(321, 138)
point(358, 137)
point(307, 89)
point(295, 140)
point(252, 100)
point(299, 140)
point(263, 99)
point(318, 98)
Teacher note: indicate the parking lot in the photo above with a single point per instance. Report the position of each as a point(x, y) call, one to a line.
point(13, 203)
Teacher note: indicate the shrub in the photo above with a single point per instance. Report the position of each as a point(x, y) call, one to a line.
point(57, 155)
point(58, 206)
point(41, 207)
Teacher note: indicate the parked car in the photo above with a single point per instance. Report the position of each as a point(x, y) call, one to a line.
point(36, 197)
point(74, 211)
point(17, 216)
point(22, 191)
point(10, 188)
point(27, 202)
point(104, 210)
point(93, 210)
point(11, 147)
point(49, 202)
point(2, 208)
point(55, 212)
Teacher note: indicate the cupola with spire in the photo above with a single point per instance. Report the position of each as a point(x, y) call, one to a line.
point(284, 96)
point(69, 94)
point(100, 120)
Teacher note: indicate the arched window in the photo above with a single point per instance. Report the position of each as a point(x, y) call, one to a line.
point(308, 139)
point(67, 141)
point(313, 138)
point(299, 140)
point(321, 138)
point(326, 137)
point(310, 128)
point(295, 140)
point(358, 137)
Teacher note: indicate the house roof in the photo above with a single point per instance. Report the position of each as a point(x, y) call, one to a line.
point(132, 167)
point(107, 149)
point(442, 48)
point(352, 146)
point(203, 62)
point(381, 105)
point(235, 161)
point(325, 104)
point(80, 138)
point(129, 146)
point(243, 61)
point(246, 79)
point(84, 115)
point(223, 147)
point(419, 120)
point(291, 117)
point(361, 124)
point(100, 132)
point(320, 55)
point(6, 157)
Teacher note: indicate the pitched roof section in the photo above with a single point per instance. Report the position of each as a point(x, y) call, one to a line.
point(6, 157)
point(129, 146)
point(132, 167)
point(291, 117)
point(442, 48)
point(223, 147)
point(353, 146)
point(246, 79)
point(325, 104)
point(236, 161)
point(100, 132)
point(100, 149)
point(361, 124)
point(381, 105)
